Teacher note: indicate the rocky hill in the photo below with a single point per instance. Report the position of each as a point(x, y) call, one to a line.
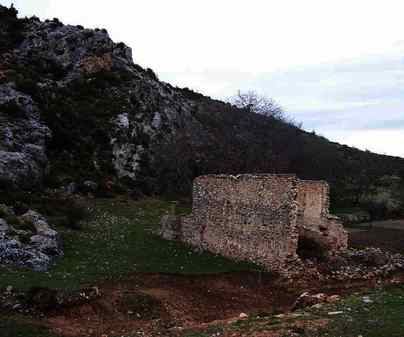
point(74, 107)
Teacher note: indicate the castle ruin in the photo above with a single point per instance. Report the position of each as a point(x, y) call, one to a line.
point(267, 219)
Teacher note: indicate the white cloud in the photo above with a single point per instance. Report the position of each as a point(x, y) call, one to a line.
point(373, 140)
point(335, 65)
point(252, 36)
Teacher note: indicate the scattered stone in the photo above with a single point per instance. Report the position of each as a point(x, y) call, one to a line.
point(90, 186)
point(45, 299)
point(367, 300)
point(37, 220)
point(71, 188)
point(371, 257)
point(280, 316)
point(243, 315)
point(353, 264)
point(317, 306)
point(333, 313)
point(3, 225)
point(333, 298)
point(306, 299)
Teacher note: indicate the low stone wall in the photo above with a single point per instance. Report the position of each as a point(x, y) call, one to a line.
point(257, 218)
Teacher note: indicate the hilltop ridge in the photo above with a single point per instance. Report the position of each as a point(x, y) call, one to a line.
point(75, 107)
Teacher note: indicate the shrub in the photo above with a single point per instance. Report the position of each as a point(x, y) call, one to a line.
point(20, 207)
point(88, 34)
point(382, 205)
point(27, 86)
point(4, 211)
point(12, 109)
point(10, 28)
point(151, 74)
point(76, 211)
point(143, 305)
point(69, 211)
point(20, 224)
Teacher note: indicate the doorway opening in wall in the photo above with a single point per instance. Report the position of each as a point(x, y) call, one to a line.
point(308, 248)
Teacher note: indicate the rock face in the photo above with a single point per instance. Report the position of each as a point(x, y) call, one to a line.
point(108, 116)
point(75, 107)
point(35, 246)
point(23, 160)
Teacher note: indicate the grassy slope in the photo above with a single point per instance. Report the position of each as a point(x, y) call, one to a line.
point(16, 327)
point(118, 240)
point(384, 317)
point(381, 318)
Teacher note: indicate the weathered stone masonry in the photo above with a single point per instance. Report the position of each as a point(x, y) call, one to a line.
point(258, 218)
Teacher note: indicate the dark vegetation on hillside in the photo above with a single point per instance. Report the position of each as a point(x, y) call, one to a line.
point(207, 136)
point(10, 29)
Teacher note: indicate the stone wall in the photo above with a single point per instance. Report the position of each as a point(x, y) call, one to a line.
point(257, 218)
point(313, 200)
point(244, 217)
point(314, 220)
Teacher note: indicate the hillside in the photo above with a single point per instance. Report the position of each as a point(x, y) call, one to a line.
point(75, 107)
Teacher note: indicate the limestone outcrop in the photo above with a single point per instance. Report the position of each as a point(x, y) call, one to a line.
point(27, 240)
point(23, 159)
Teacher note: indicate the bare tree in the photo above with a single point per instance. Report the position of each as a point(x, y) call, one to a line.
point(260, 104)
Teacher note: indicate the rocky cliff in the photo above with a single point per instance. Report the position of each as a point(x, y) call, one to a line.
point(75, 107)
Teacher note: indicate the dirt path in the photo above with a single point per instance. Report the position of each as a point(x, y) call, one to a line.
point(388, 224)
point(387, 235)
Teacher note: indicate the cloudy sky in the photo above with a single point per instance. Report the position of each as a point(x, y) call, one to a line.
point(336, 66)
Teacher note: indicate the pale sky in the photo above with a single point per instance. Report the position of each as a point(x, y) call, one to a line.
point(337, 66)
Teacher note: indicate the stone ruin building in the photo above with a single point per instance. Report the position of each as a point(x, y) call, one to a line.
point(267, 219)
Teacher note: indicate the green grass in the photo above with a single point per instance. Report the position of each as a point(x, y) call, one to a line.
point(117, 241)
point(347, 210)
point(382, 318)
point(13, 327)
point(142, 306)
point(209, 332)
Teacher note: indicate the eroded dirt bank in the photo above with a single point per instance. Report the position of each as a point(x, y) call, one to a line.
point(163, 304)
